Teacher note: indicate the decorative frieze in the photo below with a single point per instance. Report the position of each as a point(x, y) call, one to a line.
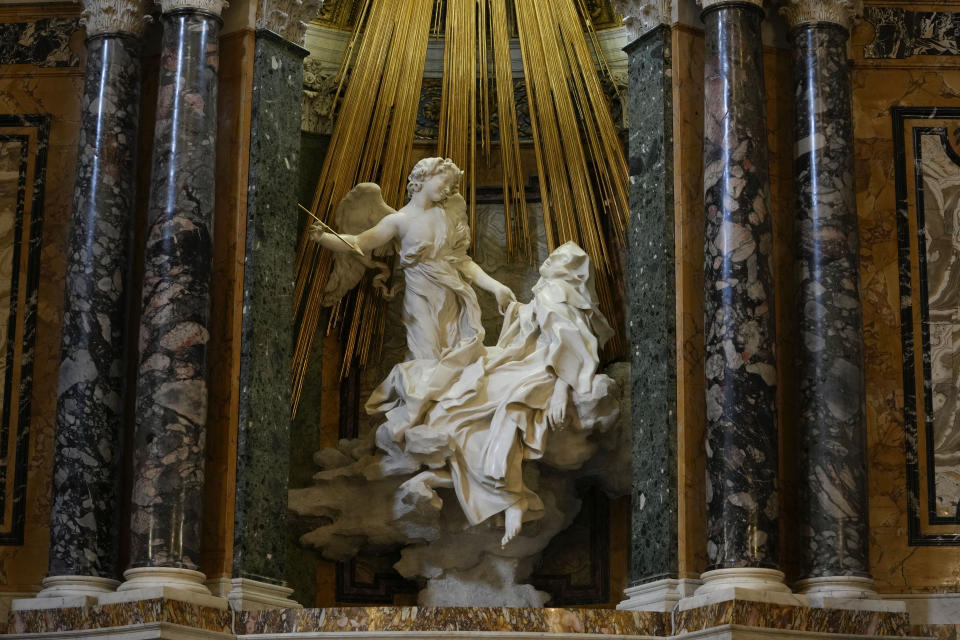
point(287, 18)
point(707, 4)
point(215, 7)
point(640, 16)
point(841, 12)
point(115, 16)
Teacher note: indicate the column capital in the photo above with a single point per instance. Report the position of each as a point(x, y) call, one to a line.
point(213, 6)
point(707, 4)
point(640, 16)
point(115, 16)
point(841, 12)
point(287, 18)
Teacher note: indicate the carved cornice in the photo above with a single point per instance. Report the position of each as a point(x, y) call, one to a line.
point(706, 4)
point(841, 12)
point(215, 7)
point(115, 16)
point(287, 18)
point(639, 16)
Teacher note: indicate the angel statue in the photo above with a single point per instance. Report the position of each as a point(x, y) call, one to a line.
point(431, 236)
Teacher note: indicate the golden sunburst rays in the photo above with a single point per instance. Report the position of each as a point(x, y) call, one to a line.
point(580, 160)
point(372, 141)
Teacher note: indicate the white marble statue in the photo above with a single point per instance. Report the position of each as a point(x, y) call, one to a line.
point(461, 417)
point(431, 235)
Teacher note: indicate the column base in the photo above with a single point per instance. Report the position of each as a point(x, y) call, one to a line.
point(846, 592)
point(743, 583)
point(659, 595)
point(76, 586)
point(150, 583)
point(67, 591)
point(245, 594)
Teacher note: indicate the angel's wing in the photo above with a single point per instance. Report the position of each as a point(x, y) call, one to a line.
point(362, 208)
point(456, 208)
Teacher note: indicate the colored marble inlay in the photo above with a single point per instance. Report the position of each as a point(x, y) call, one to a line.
point(43, 43)
point(832, 458)
point(651, 309)
point(122, 614)
point(23, 161)
point(773, 616)
point(741, 374)
point(927, 164)
point(364, 619)
point(901, 33)
point(84, 524)
point(171, 414)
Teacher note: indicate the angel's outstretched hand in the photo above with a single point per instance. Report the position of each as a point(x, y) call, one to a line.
point(504, 297)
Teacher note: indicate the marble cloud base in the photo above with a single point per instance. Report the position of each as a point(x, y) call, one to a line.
point(176, 620)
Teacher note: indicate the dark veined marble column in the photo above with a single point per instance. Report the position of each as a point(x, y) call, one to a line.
point(84, 520)
point(833, 488)
point(741, 370)
point(171, 410)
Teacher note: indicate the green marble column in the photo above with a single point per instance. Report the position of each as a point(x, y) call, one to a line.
point(263, 430)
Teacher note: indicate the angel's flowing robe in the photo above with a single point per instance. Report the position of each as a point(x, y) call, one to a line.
point(483, 421)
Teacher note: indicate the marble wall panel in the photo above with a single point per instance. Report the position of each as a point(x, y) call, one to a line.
point(55, 92)
point(44, 42)
point(233, 135)
point(23, 158)
point(878, 85)
point(688, 48)
point(778, 68)
point(928, 187)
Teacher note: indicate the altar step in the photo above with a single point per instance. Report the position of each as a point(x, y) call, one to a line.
point(163, 618)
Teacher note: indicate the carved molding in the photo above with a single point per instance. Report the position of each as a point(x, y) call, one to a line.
point(110, 16)
point(706, 4)
point(287, 18)
point(319, 90)
point(639, 16)
point(842, 12)
point(213, 6)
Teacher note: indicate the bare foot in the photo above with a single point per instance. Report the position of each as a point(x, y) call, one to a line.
point(512, 524)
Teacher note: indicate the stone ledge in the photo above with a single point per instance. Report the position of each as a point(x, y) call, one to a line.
point(767, 615)
point(111, 616)
point(460, 619)
point(733, 620)
point(143, 631)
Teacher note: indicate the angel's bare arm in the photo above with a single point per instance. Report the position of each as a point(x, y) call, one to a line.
point(480, 278)
point(373, 238)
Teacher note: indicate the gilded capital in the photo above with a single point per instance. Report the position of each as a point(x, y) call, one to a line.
point(287, 18)
point(639, 16)
point(213, 6)
point(841, 12)
point(115, 16)
point(706, 4)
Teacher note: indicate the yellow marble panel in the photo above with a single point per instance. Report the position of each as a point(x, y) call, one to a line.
point(878, 86)
point(226, 291)
point(55, 91)
point(688, 230)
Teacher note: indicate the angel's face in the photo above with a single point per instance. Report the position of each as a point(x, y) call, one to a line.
point(436, 187)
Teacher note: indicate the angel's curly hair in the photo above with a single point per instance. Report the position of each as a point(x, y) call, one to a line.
point(429, 167)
